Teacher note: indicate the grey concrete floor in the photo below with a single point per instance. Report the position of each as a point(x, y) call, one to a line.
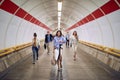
point(84, 68)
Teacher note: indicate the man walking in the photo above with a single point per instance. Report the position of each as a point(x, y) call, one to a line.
point(67, 39)
point(48, 39)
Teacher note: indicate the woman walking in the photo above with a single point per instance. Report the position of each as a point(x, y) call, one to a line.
point(74, 43)
point(35, 47)
point(59, 39)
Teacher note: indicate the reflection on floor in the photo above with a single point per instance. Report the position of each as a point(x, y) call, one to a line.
point(84, 68)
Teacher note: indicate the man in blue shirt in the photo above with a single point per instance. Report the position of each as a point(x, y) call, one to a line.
point(67, 39)
point(48, 39)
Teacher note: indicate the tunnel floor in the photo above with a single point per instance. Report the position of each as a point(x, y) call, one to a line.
point(84, 68)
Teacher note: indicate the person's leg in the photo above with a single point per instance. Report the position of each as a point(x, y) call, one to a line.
point(33, 49)
point(68, 43)
point(61, 61)
point(61, 58)
point(75, 51)
point(47, 46)
point(74, 56)
point(36, 53)
point(58, 64)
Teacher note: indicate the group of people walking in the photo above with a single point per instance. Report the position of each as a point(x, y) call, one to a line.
point(58, 40)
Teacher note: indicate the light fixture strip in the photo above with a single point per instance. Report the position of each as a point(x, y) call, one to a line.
point(59, 6)
point(59, 13)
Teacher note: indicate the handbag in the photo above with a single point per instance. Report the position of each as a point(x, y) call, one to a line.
point(53, 61)
point(44, 46)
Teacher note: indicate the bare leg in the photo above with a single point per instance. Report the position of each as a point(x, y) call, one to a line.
point(60, 61)
point(74, 56)
point(75, 51)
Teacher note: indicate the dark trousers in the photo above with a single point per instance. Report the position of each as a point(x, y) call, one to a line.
point(67, 43)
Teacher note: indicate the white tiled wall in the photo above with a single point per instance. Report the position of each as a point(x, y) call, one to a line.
point(16, 31)
point(103, 31)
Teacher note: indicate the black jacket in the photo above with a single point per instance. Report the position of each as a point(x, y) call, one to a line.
point(46, 38)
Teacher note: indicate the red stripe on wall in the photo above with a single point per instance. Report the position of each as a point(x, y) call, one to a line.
point(21, 13)
point(90, 17)
point(36, 22)
point(75, 25)
point(85, 20)
point(33, 19)
point(9, 6)
point(28, 17)
point(0, 0)
point(118, 1)
point(41, 24)
point(110, 7)
point(82, 21)
point(79, 23)
point(98, 13)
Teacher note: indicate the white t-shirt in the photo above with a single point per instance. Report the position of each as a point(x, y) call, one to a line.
point(37, 42)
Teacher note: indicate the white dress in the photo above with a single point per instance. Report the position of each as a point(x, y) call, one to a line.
point(74, 43)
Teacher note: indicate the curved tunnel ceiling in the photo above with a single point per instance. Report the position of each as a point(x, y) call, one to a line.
point(72, 10)
point(94, 20)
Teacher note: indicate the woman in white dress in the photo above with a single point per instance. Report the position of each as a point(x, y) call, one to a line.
point(58, 41)
point(74, 38)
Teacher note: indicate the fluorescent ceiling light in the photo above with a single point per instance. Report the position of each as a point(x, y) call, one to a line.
point(59, 6)
point(58, 21)
point(59, 18)
point(58, 26)
point(59, 13)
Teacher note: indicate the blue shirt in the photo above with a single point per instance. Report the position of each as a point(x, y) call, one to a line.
point(48, 38)
point(67, 36)
point(58, 41)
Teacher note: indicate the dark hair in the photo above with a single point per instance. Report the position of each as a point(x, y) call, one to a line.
point(57, 33)
point(35, 35)
point(74, 33)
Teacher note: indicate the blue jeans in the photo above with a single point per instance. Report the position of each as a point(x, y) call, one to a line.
point(35, 53)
